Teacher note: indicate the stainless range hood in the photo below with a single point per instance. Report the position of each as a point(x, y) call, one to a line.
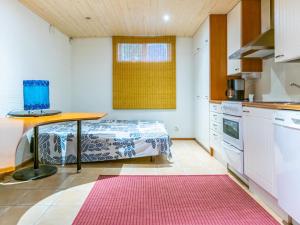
point(263, 46)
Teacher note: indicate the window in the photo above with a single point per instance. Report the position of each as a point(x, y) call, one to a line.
point(149, 52)
point(144, 72)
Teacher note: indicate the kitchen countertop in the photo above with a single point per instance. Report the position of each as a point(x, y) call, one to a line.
point(267, 105)
point(275, 105)
point(216, 101)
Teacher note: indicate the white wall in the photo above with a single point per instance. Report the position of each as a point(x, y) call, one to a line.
point(29, 50)
point(92, 85)
point(274, 84)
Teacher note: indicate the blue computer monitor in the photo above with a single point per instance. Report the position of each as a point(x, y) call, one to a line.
point(36, 94)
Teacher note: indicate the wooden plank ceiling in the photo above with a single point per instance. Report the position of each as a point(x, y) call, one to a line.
point(127, 17)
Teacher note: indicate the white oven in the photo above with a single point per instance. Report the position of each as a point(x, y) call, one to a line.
point(233, 144)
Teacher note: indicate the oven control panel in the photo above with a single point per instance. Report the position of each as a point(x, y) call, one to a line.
point(232, 108)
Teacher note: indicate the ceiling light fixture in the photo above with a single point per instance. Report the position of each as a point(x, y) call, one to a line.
point(166, 17)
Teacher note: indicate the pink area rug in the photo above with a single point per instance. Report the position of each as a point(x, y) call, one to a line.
point(170, 200)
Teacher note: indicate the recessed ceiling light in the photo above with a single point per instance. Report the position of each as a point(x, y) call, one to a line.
point(166, 17)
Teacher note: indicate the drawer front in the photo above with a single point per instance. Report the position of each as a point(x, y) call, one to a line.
point(216, 117)
point(217, 127)
point(258, 112)
point(215, 108)
point(233, 157)
point(216, 141)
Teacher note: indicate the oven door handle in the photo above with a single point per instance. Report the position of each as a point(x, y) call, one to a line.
point(229, 147)
point(232, 118)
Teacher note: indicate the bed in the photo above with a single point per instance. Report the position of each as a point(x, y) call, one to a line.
point(104, 140)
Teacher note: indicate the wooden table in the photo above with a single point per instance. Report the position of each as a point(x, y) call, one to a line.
point(40, 171)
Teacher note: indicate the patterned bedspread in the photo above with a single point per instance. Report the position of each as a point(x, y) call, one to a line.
point(103, 140)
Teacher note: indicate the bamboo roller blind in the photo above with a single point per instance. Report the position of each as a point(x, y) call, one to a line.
point(144, 72)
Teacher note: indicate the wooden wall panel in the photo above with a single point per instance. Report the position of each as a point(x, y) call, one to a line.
point(251, 28)
point(218, 57)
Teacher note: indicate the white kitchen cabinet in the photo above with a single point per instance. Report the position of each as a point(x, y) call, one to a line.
point(234, 43)
point(259, 155)
point(215, 108)
point(216, 131)
point(215, 126)
point(287, 30)
point(209, 54)
point(201, 61)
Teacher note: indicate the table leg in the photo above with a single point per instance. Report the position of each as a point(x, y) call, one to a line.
point(78, 146)
point(37, 171)
point(36, 148)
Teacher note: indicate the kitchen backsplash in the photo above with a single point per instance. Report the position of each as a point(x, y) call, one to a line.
point(274, 84)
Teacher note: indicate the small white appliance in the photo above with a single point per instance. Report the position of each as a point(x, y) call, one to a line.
point(287, 161)
point(233, 145)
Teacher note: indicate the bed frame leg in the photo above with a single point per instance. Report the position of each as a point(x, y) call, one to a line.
point(151, 158)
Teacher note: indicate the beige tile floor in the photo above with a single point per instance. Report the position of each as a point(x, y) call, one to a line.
point(57, 199)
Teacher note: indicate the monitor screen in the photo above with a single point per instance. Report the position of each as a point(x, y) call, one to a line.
point(36, 94)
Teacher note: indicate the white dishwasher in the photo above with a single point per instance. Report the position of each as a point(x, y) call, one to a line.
point(287, 165)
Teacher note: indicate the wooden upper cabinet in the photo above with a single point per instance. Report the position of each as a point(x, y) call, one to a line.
point(287, 20)
point(243, 26)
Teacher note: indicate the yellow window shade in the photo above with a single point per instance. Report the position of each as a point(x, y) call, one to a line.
point(144, 72)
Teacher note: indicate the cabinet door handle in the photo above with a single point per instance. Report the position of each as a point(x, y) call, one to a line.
point(296, 121)
point(236, 69)
point(279, 56)
point(279, 119)
point(246, 111)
